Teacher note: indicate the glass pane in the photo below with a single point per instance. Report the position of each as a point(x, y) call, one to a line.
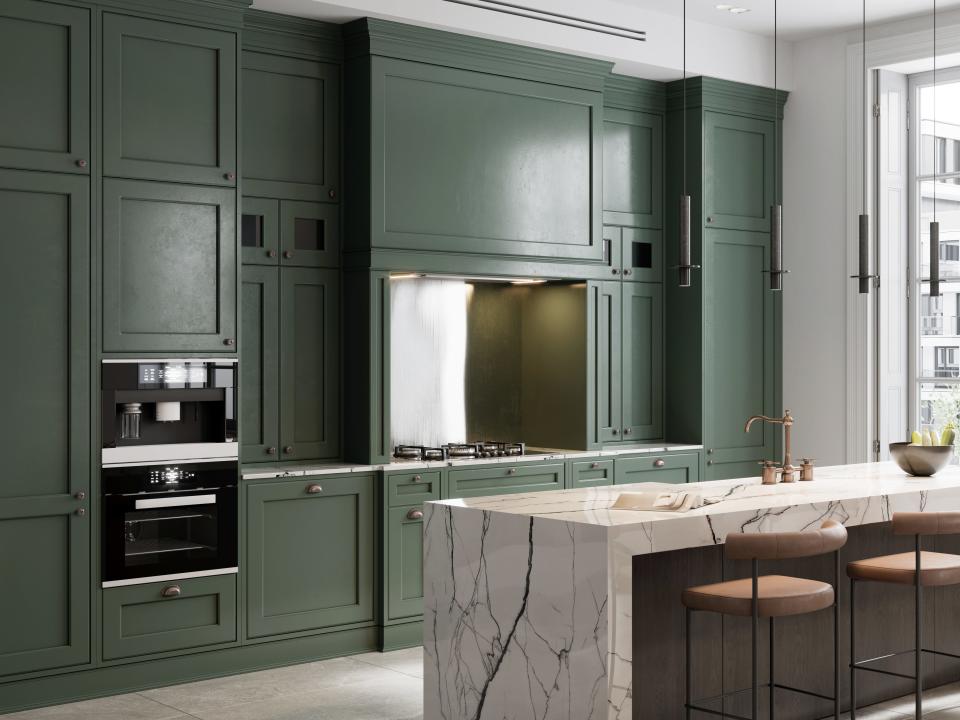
point(940, 136)
point(940, 331)
point(939, 406)
point(642, 255)
point(308, 234)
point(251, 230)
point(948, 215)
point(187, 532)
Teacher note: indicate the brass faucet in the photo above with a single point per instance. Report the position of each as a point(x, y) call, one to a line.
point(787, 422)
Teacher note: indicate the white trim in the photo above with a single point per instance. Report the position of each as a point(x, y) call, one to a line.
point(128, 361)
point(174, 576)
point(176, 452)
point(178, 501)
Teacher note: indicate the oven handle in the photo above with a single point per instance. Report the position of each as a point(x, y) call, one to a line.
point(181, 501)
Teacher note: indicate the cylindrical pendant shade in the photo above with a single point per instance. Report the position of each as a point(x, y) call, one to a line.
point(863, 268)
point(776, 247)
point(685, 268)
point(934, 259)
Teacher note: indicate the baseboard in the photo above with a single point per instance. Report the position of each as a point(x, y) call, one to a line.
point(398, 637)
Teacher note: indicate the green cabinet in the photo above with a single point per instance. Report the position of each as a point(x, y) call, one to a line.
point(291, 127)
point(404, 561)
point(44, 497)
point(291, 233)
point(169, 101)
point(633, 253)
point(45, 76)
point(632, 168)
point(290, 387)
point(412, 488)
point(501, 479)
point(310, 554)
point(590, 473)
point(169, 268)
point(168, 616)
point(662, 468)
point(629, 366)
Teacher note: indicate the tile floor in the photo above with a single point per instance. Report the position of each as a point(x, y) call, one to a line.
point(372, 686)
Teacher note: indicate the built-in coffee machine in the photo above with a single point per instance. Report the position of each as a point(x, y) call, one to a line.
point(163, 410)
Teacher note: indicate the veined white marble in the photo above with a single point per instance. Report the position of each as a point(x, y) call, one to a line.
point(527, 598)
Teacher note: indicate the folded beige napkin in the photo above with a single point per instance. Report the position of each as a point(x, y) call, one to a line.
point(680, 501)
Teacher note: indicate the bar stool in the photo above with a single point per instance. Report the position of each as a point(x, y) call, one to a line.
point(918, 568)
point(770, 596)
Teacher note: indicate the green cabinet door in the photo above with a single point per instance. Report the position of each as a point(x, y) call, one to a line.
point(737, 171)
point(45, 76)
point(739, 376)
point(404, 558)
point(309, 234)
point(45, 424)
point(641, 253)
point(608, 396)
point(291, 127)
point(500, 480)
point(632, 168)
point(259, 231)
point(260, 364)
point(309, 363)
point(667, 468)
point(309, 554)
point(169, 101)
point(590, 473)
point(642, 346)
point(169, 268)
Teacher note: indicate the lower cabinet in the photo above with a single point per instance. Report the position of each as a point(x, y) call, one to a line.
point(678, 468)
point(502, 480)
point(591, 473)
point(309, 554)
point(404, 560)
point(166, 616)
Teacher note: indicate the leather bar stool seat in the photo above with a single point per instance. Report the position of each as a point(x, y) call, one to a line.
point(777, 596)
point(935, 569)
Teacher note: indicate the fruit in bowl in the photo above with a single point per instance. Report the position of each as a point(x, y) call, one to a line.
point(927, 453)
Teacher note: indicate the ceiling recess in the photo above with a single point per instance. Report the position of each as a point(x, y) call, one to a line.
point(508, 8)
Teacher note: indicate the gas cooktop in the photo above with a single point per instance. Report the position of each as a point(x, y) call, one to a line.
point(459, 451)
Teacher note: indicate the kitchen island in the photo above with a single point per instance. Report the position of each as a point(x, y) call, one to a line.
point(531, 599)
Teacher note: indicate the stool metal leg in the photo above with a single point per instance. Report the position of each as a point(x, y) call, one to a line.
point(772, 666)
point(918, 609)
point(754, 704)
point(689, 644)
point(836, 636)
point(853, 651)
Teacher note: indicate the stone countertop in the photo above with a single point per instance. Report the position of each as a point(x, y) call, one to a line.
point(261, 472)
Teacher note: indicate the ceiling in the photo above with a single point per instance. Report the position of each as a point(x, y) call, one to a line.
point(796, 19)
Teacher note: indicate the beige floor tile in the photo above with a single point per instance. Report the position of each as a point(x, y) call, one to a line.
point(117, 707)
point(409, 661)
point(940, 698)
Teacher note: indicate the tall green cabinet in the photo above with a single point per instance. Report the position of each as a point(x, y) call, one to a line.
point(722, 339)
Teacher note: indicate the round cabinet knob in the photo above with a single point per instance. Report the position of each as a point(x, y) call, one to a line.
point(271, 450)
point(417, 478)
point(80, 495)
point(627, 272)
point(615, 431)
point(314, 489)
point(627, 431)
point(171, 591)
point(288, 449)
point(287, 254)
point(710, 451)
point(231, 176)
point(81, 511)
point(415, 514)
point(332, 194)
point(614, 271)
point(271, 253)
point(710, 219)
point(512, 471)
point(228, 342)
point(709, 462)
point(594, 465)
point(659, 462)
point(81, 163)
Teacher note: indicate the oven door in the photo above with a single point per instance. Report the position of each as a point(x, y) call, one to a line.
point(169, 533)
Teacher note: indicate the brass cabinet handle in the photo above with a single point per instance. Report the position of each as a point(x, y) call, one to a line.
point(417, 478)
point(314, 489)
point(171, 591)
point(659, 462)
point(512, 471)
point(288, 449)
point(415, 514)
point(80, 495)
point(271, 450)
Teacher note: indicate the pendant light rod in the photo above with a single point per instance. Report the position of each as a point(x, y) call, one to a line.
point(685, 266)
point(776, 210)
point(863, 276)
point(935, 224)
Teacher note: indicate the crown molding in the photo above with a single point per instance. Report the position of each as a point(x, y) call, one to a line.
point(226, 13)
point(630, 93)
point(275, 33)
point(726, 95)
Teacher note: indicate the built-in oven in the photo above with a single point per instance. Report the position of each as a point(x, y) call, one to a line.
point(169, 521)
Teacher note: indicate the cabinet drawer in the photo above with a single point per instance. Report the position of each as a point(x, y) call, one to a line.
point(591, 473)
point(505, 479)
point(413, 488)
point(172, 615)
point(666, 468)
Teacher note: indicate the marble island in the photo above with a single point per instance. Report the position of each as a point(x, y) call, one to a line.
point(530, 599)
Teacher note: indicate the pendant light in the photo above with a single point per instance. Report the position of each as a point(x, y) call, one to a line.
point(685, 267)
point(934, 224)
point(776, 210)
point(863, 275)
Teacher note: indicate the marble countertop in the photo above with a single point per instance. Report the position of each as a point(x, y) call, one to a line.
point(870, 490)
point(261, 472)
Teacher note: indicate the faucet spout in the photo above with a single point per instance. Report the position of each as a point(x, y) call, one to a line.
point(787, 422)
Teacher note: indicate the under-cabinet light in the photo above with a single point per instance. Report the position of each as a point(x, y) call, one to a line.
point(527, 281)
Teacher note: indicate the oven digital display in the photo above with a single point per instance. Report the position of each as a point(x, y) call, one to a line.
point(172, 375)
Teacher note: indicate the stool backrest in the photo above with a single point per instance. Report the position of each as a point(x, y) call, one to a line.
point(780, 546)
point(926, 523)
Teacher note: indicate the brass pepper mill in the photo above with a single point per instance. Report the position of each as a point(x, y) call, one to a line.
point(771, 472)
point(806, 469)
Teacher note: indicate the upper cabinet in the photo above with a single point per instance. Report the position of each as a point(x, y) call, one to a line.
point(169, 101)
point(291, 233)
point(291, 127)
point(476, 147)
point(632, 168)
point(45, 76)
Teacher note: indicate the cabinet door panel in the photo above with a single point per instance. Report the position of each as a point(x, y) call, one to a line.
point(404, 562)
point(260, 231)
point(642, 255)
point(676, 468)
point(309, 363)
point(169, 101)
point(309, 234)
point(46, 317)
point(632, 168)
point(310, 555)
point(608, 391)
point(170, 268)
point(45, 76)
point(739, 377)
point(738, 172)
point(260, 369)
point(642, 361)
point(291, 127)
point(591, 473)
